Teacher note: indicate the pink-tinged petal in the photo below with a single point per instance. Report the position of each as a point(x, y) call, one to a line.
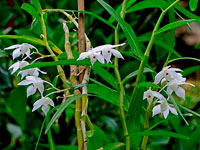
point(156, 110)
point(117, 53)
point(16, 53)
point(173, 110)
point(100, 58)
point(84, 55)
point(25, 82)
point(158, 77)
point(37, 104)
point(166, 113)
point(31, 90)
point(13, 46)
point(180, 92)
point(45, 109)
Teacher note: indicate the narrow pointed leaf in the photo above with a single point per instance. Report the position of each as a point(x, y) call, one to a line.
point(31, 10)
point(37, 5)
point(127, 29)
point(193, 4)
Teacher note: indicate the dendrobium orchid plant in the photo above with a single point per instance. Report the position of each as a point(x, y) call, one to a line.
point(35, 83)
point(174, 80)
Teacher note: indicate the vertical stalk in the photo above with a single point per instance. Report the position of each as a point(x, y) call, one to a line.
point(81, 44)
point(121, 87)
point(144, 62)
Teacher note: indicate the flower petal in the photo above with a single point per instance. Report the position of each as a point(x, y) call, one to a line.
point(117, 53)
point(156, 110)
point(41, 89)
point(13, 46)
point(169, 90)
point(100, 58)
point(166, 113)
point(45, 109)
point(29, 45)
point(50, 102)
point(25, 82)
point(31, 90)
point(37, 104)
point(158, 95)
point(16, 53)
point(158, 77)
point(84, 55)
point(180, 92)
point(172, 109)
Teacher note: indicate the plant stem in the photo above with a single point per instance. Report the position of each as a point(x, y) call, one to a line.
point(59, 68)
point(121, 87)
point(146, 57)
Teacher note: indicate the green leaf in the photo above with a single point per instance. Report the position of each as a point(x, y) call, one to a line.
point(163, 133)
point(184, 58)
point(31, 10)
point(17, 103)
point(37, 5)
point(106, 76)
point(174, 25)
point(190, 70)
point(187, 13)
point(128, 31)
point(148, 84)
point(189, 110)
point(113, 146)
point(193, 4)
point(133, 74)
point(61, 109)
point(85, 62)
point(148, 4)
point(129, 3)
point(66, 147)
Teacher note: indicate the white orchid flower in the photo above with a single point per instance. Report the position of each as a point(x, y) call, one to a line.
point(21, 49)
point(174, 85)
point(44, 102)
point(93, 56)
point(31, 72)
point(164, 108)
point(168, 74)
point(149, 95)
point(37, 83)
point(106, 50)
point(18, 65)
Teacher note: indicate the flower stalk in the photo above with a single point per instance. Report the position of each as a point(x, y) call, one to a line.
point(121, 87)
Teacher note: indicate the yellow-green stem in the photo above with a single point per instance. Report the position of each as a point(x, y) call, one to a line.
point(146, 54)
point(121, 87)
point(59, 68)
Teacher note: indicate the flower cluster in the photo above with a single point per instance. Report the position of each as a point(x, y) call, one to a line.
point(101, 52)
point(173, 81)
point(35, 83)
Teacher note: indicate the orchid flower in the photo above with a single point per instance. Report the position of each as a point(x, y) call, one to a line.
point(31, 72)
point(18, 65)
point(44, 102)
point(93, 56)
point(21, 49)
point(106, 50)
point(168, 74)
point(149, 95)
point(174, 86)
point(164, 108)
point(37, 83)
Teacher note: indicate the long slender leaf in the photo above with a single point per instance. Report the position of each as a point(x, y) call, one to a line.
point(174, 25)
point(131, 2)
point(187, 13)
point(112, 146)
point(189, 110)
point(184, 58)
point(148, 4)
point(61, 109)
point(31, 10)
point(106, 76)
point(128, 31)
point(163, 133)
point(85, 62)
point(133, 74)
point(193, 4)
